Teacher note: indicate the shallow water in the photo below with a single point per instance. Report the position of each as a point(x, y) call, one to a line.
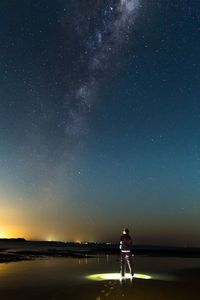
point(69, 278)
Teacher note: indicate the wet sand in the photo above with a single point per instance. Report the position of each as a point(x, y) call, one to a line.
point(66, 278)
point(138, 290)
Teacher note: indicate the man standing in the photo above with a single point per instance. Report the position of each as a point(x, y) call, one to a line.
point(125, 246)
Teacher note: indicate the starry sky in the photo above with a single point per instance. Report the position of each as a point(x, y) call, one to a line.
point(100, 120)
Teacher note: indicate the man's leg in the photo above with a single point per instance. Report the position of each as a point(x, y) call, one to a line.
point(129, 263)
point(122, 264)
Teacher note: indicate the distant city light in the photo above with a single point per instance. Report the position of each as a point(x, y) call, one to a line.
point(50, 239)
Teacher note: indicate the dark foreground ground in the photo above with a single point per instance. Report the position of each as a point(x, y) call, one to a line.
point(185, 289)
point(111, 291)
point(59, 272)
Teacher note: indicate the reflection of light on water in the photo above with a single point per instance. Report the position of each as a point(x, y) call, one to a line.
point(116, 276)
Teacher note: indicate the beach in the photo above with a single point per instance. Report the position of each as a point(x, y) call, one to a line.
point(97, 277)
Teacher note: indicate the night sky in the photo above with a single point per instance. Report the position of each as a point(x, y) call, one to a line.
point(100, 120)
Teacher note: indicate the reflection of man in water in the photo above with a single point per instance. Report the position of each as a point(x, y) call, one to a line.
point(125, 246)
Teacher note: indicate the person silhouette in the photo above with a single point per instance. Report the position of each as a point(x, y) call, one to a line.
point(125, 247)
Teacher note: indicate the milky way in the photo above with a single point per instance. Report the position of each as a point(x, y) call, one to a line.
point(101, 28)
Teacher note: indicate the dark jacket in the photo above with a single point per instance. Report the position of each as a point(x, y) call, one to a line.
point(125, 242)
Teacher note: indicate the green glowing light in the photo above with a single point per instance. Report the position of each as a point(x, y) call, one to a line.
point(116, 276)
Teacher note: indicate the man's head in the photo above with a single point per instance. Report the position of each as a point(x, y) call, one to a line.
point(126, 231)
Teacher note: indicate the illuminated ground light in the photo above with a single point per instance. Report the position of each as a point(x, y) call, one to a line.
point(116, 276)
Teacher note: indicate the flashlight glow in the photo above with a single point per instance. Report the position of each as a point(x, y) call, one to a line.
point(116, 276)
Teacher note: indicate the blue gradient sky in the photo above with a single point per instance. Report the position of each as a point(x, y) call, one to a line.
point(100, 120)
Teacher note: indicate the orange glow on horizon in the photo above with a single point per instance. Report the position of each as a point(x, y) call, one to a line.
point(10, 232)
point(3, 235)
